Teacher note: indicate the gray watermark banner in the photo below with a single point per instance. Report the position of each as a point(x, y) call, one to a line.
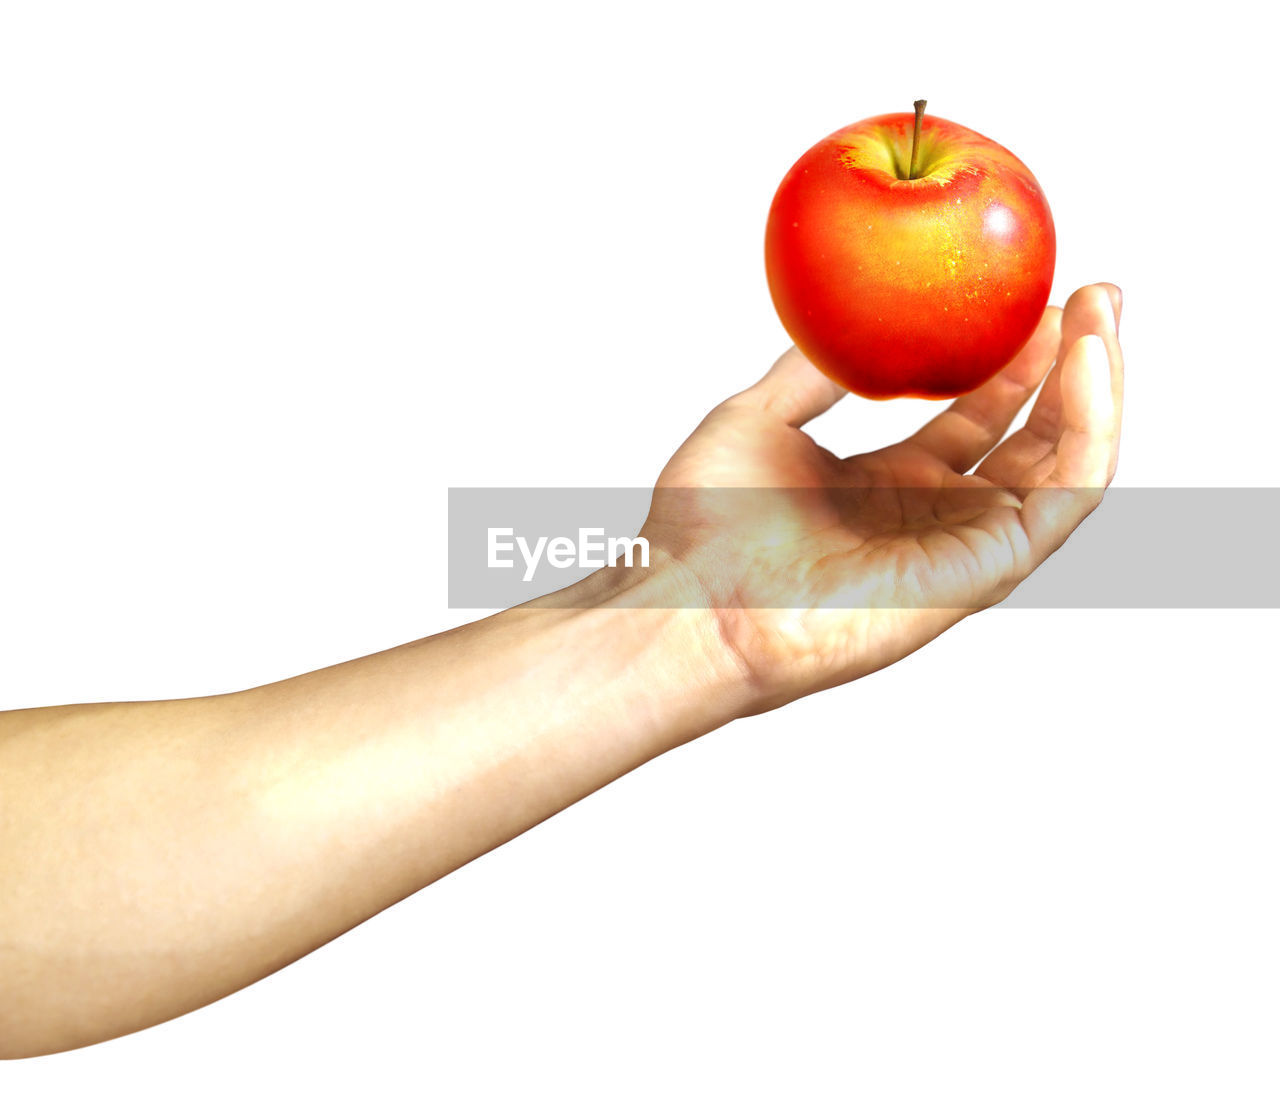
point(1143, 547)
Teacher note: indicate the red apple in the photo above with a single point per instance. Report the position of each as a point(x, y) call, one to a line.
point(895, 282)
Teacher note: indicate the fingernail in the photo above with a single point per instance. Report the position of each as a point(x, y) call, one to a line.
point(1119, 305)
point(1099, 371)
point(1008, 498)
point(1113, 324)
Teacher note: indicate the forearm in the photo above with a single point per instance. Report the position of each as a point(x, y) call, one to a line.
point(157, 856)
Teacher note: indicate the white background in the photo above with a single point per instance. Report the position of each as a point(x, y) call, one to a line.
point(273, 276)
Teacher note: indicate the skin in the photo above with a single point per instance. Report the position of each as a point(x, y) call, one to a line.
point(156, 856)
point(895, 286)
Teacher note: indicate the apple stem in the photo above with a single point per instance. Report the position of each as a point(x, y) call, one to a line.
point(915, 137)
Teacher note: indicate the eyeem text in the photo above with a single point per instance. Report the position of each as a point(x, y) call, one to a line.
point(591, 549)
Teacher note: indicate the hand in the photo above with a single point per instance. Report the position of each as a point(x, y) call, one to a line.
point(835, 567)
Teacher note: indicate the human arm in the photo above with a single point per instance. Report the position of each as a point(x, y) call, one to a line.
point(156, 856)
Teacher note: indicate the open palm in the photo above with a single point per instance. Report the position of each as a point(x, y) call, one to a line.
point(822, 569)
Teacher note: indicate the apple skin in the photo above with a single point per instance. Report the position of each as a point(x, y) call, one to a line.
point(909, 287)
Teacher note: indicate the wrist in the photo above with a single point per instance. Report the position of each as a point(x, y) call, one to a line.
point(655, 627)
